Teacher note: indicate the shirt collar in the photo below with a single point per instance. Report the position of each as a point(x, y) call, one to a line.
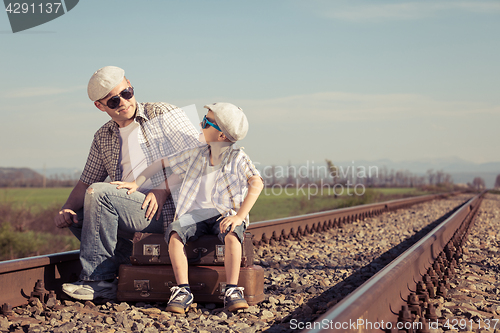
point(140, 112)
point(220, 150)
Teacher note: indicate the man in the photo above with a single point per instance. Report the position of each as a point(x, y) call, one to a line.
point(103, 217)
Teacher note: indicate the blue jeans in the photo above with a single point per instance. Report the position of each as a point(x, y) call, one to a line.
point(110, 218)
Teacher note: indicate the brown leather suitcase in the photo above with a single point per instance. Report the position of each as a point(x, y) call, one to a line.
point(207, 283)
point(151, 249)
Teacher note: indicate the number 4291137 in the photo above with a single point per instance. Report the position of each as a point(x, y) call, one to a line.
point(464, 323)
point(25, 8)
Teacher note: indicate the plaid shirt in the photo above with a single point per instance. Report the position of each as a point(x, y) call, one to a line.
point(231, 182)
point(165, 130)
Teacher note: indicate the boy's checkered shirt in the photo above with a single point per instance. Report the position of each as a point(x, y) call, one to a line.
point(231, 183)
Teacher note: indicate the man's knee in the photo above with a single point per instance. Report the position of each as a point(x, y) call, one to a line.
point(100, 187)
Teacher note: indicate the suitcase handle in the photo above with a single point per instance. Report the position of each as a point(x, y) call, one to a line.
point(198, 250)
point(194, 286)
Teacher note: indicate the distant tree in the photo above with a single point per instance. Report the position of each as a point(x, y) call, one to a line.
point(478, 183)
point(497, 182)
point(431, 176)
point(333, 171)
point(439, 177)
point(290, 180)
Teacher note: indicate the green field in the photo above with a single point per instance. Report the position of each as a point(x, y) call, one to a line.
point(34, 199)
point(27, 222)
point(27, 214)
point(272, 203)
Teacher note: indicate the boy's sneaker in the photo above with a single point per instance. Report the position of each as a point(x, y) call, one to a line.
point(91, 290)
point(234, 299)
point(180, 300)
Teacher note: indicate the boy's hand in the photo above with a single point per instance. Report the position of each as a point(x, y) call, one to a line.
point(132, 186)
point(231, 221)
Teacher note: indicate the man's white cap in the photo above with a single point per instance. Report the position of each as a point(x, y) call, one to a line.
point(103, 81)
point(231, 120)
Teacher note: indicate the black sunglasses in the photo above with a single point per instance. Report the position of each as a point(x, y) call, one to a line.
point(114, 101)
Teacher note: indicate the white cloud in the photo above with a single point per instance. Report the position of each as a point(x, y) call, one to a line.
point(342, 106)
point(356, 11)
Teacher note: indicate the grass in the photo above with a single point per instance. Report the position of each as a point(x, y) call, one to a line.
point(34, 199)
point(27, 214)
point(15, 244)
point(27, 222)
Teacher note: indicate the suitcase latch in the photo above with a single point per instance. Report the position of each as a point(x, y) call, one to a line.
point(152, 250)
point(142, 286)
point(219, 253)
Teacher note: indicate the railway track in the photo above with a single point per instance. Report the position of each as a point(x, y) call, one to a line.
point(18, 278)
point(22, 275)
point(398, 298)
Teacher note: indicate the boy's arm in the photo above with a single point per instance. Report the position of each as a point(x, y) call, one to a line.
point(255, 186)
point(149, 172)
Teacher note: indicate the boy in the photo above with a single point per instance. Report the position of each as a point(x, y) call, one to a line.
point(212, 199)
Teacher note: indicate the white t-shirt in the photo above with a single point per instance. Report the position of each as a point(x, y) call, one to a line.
point(203, 198)
point(132, 158)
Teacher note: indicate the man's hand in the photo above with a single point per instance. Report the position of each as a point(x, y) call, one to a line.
point(154, 201)
point(65, 218)
point(231, 221)
point(132, 186)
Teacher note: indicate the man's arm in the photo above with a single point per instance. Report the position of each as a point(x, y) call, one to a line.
point(67, 215)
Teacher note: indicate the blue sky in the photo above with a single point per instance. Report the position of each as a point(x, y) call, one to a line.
point(343, 80)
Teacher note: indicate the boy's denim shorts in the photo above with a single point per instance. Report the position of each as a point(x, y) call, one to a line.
point(196, 223)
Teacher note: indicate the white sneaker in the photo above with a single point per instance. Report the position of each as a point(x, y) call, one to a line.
point(90, 290)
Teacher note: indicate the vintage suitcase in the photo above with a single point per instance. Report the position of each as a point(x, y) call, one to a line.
point(151, 249)
point(207, 283)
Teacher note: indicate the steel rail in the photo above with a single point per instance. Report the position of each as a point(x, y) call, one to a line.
point(378, 301)
point(18, 277)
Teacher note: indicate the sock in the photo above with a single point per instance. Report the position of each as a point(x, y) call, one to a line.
point(230, 286)
point(185, 286)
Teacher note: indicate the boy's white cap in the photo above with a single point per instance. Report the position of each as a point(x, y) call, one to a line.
point(231, 120)
point(103, 81)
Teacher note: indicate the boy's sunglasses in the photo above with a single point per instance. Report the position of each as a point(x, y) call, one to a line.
point(207, 122)
point(114, 101)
